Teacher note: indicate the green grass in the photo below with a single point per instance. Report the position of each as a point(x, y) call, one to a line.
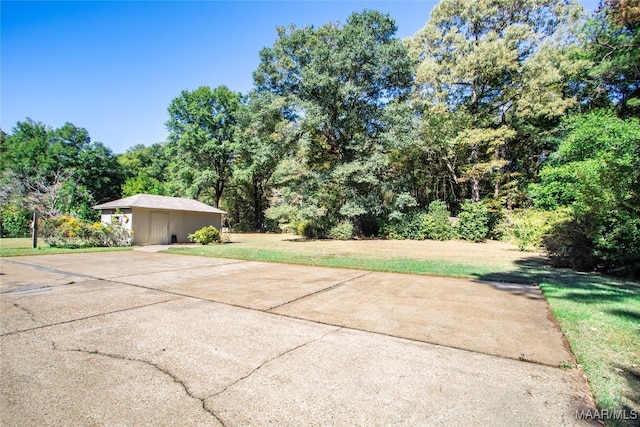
point(600, 318)
point(394, 265)
point(599, 315)
point(22, 247)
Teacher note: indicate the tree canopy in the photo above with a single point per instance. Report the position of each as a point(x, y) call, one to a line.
point(491, 108)
point(338, 83)
point(201, 141)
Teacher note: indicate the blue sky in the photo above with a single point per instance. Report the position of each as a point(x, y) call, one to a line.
point(113, 67)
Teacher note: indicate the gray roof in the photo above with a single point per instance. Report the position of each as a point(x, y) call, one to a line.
point(151, 201)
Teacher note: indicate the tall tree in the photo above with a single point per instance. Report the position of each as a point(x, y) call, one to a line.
point(338, 83)
point(500, 66)
point(145, 169)
point(37, 157)
point(264, 138)
point(612, 45)
point(202, 125)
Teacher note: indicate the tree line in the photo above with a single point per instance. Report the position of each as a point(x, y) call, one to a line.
point(516, 112)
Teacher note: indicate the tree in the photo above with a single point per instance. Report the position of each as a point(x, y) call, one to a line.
point(500, 67)
point(145, 169)
point(595, 175)
point(57, 170)
point(25, 150)
point(338, 83)
point(612, 45)
point(263, 139)
point(202, 125)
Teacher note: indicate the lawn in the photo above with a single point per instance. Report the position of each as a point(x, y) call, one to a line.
point(599, 315)
point(19, 247)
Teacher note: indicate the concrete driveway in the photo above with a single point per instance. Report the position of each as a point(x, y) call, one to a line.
point(140, 338)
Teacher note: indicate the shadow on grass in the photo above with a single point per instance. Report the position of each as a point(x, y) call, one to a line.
point(633, 316)
point(632, 376)
point(568, 284)
point(611, 308)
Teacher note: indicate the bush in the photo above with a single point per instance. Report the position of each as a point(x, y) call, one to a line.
point(568, 247)
point(342, 231)
point(70, 232)
point(594, 174)
point(16, 221)
point(66, 231)
point(496, 212)
point(305, 229)
point(473, 222)
point(528, 227)
point(311, 229)
point(205, 235)
point(405, 226)
point(436, 224)
point(613, 248)
point(112, 235)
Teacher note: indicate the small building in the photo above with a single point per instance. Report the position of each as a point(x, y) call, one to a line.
point(159, 220)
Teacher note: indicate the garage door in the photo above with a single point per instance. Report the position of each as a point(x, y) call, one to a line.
point(159, 229)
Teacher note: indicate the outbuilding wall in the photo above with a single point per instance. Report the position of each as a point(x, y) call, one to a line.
point(181, 224)
point(153, 226)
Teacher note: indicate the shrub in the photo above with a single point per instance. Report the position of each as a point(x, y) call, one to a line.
point(594, 174)
point(112, 235)
point(528, 227)
point(205, 235)
point(16, 221)
point(70, 232)
point(67, 231)
point(405, 226)
point(312, 229)
point(496, 212)
point(305, 229)
point(568, 246)
point(473, 222)
point(585, 245)
point(342, 231)
point(436, 224)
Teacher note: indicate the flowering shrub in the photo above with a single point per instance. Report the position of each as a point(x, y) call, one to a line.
point(71, 232)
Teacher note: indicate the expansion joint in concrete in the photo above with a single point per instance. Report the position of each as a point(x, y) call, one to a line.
point(344, 282)
point(80, 318)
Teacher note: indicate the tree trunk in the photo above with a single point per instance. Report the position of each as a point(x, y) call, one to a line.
point(257, 206)
point(475, 180)
point(475, 189)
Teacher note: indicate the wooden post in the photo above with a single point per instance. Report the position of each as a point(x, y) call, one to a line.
point(34, 231)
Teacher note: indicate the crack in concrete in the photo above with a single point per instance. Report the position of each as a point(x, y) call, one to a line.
point(167, 372)
point(284, 353)
point(270, 311)
point(26, 310)
point(83, 318)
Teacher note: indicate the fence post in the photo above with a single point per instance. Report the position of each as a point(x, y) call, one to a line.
point(34, 231)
